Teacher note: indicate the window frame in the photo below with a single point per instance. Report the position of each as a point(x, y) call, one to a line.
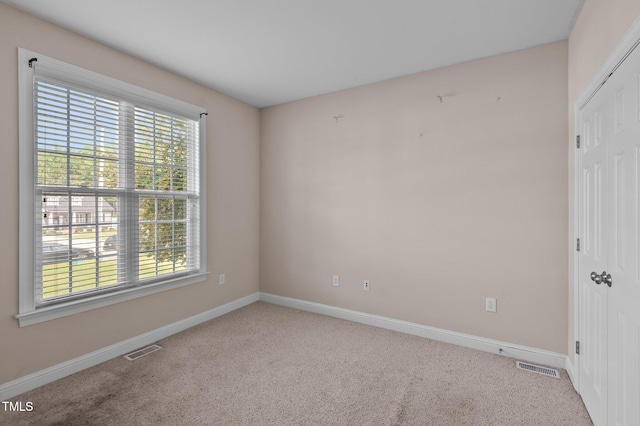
point(28, 311)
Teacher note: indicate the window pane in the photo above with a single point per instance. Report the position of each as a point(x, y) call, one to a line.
point(165, 238)
point(180, 152)
point(163, 178)
point(81, 170)
point(52, 168)
point(180, 208)
point(163, 148)
point(179, 179)
point(181, 258)
point(147, 209)
point(165, 209)
point(107, 172)
point(55, 279)
point(144, 176)
point(147, 266)
point(83, 275)
point(108, 271)
point(147, 237)
point(144, 147)
point(167, 265)
point(180, 230)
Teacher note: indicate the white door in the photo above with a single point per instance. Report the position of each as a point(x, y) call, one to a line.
point(593, 298)
point(623, 159)
point(609, 276)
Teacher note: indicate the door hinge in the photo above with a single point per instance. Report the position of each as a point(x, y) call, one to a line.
point(577, 244)
point(578, 141)
point(577, 347)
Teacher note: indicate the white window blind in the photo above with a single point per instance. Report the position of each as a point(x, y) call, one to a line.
point(116, 187)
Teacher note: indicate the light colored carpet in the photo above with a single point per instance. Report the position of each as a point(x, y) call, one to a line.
point(269, 365)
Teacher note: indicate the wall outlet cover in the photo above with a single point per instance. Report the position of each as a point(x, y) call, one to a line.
point(491, 305)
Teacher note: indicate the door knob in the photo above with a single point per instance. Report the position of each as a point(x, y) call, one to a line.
point(600, 278)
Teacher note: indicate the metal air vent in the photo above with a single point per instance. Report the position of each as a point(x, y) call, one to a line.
point(142, 352)
point(538, 369)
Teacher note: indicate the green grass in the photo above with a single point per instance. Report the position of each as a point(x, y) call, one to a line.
point(89, 235)
point(86, 274)
point(92, 235)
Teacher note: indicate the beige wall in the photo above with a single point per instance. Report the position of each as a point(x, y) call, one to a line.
point(233, 202)
point(438, 203)
point(599, 27)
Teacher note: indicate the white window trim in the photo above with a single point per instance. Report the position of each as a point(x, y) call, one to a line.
point(28, 313)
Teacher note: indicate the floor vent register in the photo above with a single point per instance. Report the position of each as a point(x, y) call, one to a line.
point(538, 369)
point(142, 352)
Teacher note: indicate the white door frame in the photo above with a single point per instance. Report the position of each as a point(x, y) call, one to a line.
point(615, 58)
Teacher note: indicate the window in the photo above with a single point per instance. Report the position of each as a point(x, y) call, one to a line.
point(111, 190)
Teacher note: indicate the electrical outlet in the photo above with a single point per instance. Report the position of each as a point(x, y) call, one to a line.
point(336, 281)
point(365, 285)
point(221, 279)
point(491, 305)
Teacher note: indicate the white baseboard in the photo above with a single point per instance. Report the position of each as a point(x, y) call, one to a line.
point(524, 353)
point(32, 381)
point(571, 371)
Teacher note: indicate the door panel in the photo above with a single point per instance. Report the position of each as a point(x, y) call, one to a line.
point(624, 294)
point(617, 257)
point(593, 258)
point(587, 186)
point(599, 210)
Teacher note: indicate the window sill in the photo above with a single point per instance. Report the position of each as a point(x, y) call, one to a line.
point(82, 305)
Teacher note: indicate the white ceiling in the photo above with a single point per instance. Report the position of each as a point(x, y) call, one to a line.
point(267, 52)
